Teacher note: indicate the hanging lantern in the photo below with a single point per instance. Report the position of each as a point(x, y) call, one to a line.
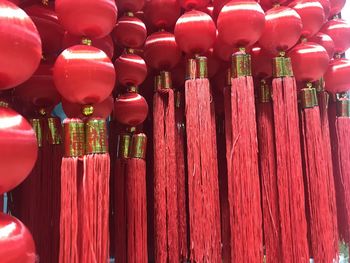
point(336, 7)
point(339, 31)
point(336, 77)
point(20, 46)
point(193, 4)
point(16, 242)
point(162, 13)
point(130, 5)
point(325, 41)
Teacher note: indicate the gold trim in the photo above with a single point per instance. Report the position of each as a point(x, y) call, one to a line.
point(138, 146)
point(343, 107)
point(54, 131)
point(201, 67)
point(4, 104)
point(241, 65)
point(124, 142)
point(308, 97)
point(96, 136)
point(86, 41)
point(157, 83)
point(191, 69)
point(282, 67)
point(132, 89)
point(38, 129)
point(265, 92)
point(166, 81)
point(88, 110)
point(74, 137)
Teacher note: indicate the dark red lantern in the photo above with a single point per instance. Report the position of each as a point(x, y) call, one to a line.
point(337, 76)
point(132, 70)
point(325, 41)
point(18, 149)
point(283, 29)
point(162, 13)
point(130, 109)
point(84, 74)
point(193, 4)
point(309, 61)
point(130, 5)
point(336, 6)
point(16, 242)
point(162, 51)
point(195, 32)
point(89, 18)
point(20, 46)
point(240, 24)
point(339, 31)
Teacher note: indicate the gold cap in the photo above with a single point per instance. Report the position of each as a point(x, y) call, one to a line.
point(201, 67)
point(74, 137)
point(4, 104)
point(54, 131)
point(157, 83)
point(265, 92)
point(343, 107)
point(308, 97)
point(96, 136)
point(138, 146)
point(282, 67)
point(132, 89)
point(86, 41)
point(191, 69)
point(124, 142)
point(37, 127)
point(241, 65)
point(166, 82)
point(88, 110)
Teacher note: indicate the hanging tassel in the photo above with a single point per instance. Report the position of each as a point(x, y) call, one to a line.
point(120, 198)
point(165, 172)
point(74, 148)
point(181, 177)
point(136, 201)
point(323, 100)
point(55, 145)
point(289, 165)
point(94, 191)
point(242, 165)
point(267, 164)
point(320, 217)
point(204, 212)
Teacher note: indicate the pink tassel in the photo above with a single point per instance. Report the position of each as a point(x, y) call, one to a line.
point(267, 161)
point(165, 184)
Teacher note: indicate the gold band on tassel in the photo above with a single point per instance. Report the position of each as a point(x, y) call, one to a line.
point(282, 66)
point(124, 142)
point(96, 136)
point(4, 104)
point(241, 65)
point(166, 82)
point(54, 128)
point(343, 107)
point(138, 146)
point(88, 110)
point(74, 137)
point(36, 124)
point(191, 69)
point(201, 67)
point(228, 81)
point(132, 89)
point(265, 92)
point(308, 97)
point(157, 83)
point(86, 41)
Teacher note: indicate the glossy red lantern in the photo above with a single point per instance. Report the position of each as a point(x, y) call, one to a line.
point(16, 242)
point(130, 109)
point(89, 18)
point(326, 7)
point(309, 60)
point(162, 51)
point(101, 110)
point(337, 76)
point(84, 74)
point(325, 41)
point(312, 16)
point(20, 46)
point(195, 32)
point(39, 90)
point(240, 24)
point(130, 32)
point(261, 63)
point(105, 44)
point(336, 6)
point(282, 31)
point(130, 5)
point(339, 31)
point(193, 4)
point(18, 149)
point(162, 13)
point(132, 69)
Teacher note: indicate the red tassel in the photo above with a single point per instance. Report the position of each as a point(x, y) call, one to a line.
point(181, 178)
point(94, 191)
point(74, 145)
point(165, 183)
point(204, 215)
point(267, 161)
point(242, 168)
point(289, 170)
point(320, 217)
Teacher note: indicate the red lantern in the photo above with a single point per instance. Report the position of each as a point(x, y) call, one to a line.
point(326, 7)
point(16, 242)
point(101, 110)
point(337, 76)
point(40, 89)
point(240, 24)
point(336, 6)
point(339, 31)
point(312, 16)
point(18, 149)
point(20, 46)
point(195, 32)
point(309, 61)
point(283, 29)
point(193, 4)
point(130, 5)
point(89, 18)
point(162, 13)
point(130, 109)
point(162, 51)
point(325, 41)
point(84, 74)
point(261, 63)
point(130, 32)
point(105, 44)
point(132, 69)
